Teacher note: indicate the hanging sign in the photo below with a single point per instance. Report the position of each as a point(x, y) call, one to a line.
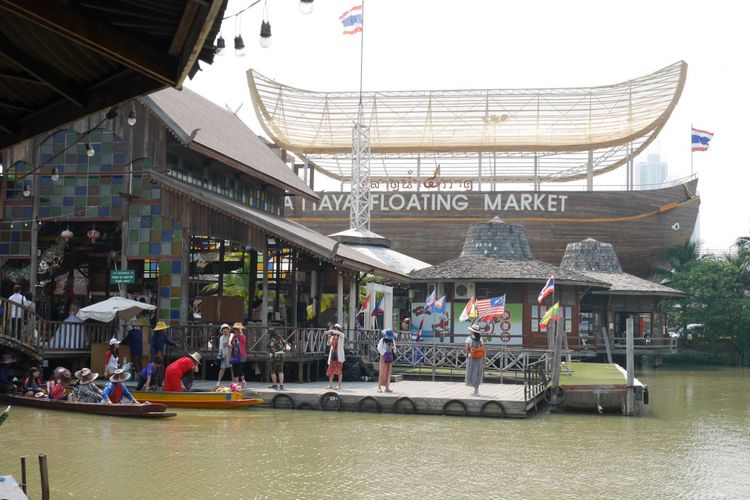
point(126, 277)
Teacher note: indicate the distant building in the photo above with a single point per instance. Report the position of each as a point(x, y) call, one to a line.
point(652, 173)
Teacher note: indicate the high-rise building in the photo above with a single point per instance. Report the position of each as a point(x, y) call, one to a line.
point(652, 173)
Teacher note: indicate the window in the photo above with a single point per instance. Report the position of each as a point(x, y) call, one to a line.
point(150, 269)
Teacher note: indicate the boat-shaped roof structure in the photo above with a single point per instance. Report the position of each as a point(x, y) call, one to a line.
point(496, 135)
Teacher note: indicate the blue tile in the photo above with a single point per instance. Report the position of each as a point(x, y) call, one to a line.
point(80, 190)
point(116, 202)
point(104, 212)
point(155, 209)
point(68, 201)
point(176, 266)
point(44, 211)
point(155, 249)
point(174, 314)
point(15, 236)
point(164, 292)
point(146, 222)
point(166, 235)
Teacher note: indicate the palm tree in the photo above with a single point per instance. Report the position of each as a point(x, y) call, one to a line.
point(675, 259)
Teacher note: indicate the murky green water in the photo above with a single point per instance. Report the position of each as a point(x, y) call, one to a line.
point(694, 442)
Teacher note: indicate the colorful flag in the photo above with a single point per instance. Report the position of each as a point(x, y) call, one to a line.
point(548, 289)
point(552, 313)
point(490, 308)
point(364, 305)
point(700, 139)
point(378, 309)
point(439, 305)
point(429, 301)
point(351, 20)
point(470, 311)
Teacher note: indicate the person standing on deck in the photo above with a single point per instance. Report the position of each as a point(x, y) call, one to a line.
point(475, 360)
point(239, 353)
point(115, 389)
point(174, 372)
point(336, 357)
point(276, 351)
point(112, 357)
point(224, 357)
point(158, 345)
point(134, 340)
point(17, 311)
point(386, 348)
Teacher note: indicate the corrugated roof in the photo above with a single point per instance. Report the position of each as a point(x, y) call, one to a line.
point(196, 122)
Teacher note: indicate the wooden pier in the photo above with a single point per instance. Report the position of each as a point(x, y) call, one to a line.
point(408, 397)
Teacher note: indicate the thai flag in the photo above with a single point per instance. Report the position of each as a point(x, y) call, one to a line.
point(491, 308)
point(429, 301)
point(352, 20)
point(378, 309)
point(548, 289)
point(700, 139)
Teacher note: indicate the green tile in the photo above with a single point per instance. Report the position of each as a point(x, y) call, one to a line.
point(166, 266)
point(134, 235)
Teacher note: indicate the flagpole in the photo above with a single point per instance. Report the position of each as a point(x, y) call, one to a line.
point(361, 52)
point(691, 150)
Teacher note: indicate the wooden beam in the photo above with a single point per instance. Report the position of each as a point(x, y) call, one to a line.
point(20, 76)
point(16, 107)
point(97, 36)
point(186, 22)
point(194, 43)
point(42, 72)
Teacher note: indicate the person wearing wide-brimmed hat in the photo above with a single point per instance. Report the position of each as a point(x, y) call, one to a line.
point(115, 389)
point(474, 349)
point(112, 357)
point(238, 353)
point(158, 345)
point(84, 390)
point(387, 350)
point(336, 357)
point(56, 385)
point(223, 358)
point(174, 372)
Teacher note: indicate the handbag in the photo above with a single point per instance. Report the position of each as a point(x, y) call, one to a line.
point(477, 352)
point(388, 356)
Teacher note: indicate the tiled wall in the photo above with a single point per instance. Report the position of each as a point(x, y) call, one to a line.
point(16, 241)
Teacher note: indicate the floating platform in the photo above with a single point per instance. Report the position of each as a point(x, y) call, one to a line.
point(600, 387)
point(408, 397)
point(10, 489)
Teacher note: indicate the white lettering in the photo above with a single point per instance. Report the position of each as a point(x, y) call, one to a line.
point(552, 203)
point(562, 198)
point(399, 198)
point(460, 202)
point(511, 201)
point(325, 204)
point(444, 200)
point(413, 203)
point(288, 203)
point(493, 205)
point(538, 199)
point(526, 201)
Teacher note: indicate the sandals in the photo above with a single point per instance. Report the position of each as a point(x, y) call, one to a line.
point(388, 390)
point(329, 387)
point(338, 387)
point(380, 390)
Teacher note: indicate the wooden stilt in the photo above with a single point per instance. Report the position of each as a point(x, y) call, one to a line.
point(44, 476)
point(23, 474)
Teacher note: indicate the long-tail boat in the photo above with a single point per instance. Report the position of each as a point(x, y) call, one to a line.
point(200, 399)
point(145, 410)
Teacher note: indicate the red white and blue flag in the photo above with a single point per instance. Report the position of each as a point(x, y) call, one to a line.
point(364, 305)
point(378, 309)
point(491, 308)
point(548, 289)
point(430, 301)
point(700, 139)
point(351, 20)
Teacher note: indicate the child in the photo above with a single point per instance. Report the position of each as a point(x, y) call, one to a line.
point(147, 377)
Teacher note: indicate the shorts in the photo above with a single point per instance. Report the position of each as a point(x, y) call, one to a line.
point(277, 364)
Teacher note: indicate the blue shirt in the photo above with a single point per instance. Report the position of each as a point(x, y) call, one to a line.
point(134, 340)
point(159, 341)
point(110, 388)
point(149, 371)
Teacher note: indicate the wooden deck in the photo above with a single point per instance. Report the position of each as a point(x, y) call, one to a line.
point(408, 396)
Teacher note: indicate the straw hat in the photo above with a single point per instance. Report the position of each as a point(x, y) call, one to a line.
point(62, 373)
point(474, 329)
point(160, 326)
point(238, 325)
point(196, 357)
point(86, 376)
point(388, 334)
point(113, 341)
point(119, 375)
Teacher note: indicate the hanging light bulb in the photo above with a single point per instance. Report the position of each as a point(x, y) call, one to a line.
point(67, 234)
point(265, 34)
point(131, 117)
point(221, 46)
point(55, 176)
point(90, 151)
point(26, 190)
point(239, 46)
point(306, 6)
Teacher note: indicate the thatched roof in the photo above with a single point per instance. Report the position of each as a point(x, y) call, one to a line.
point(599, 261)
point(498, 240)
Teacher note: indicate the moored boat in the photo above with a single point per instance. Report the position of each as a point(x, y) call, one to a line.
point(199, 399)
point(145, 410)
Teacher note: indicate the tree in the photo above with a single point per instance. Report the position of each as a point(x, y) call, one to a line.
point(675, 259)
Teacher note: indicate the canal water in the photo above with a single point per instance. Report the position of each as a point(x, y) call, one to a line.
point(693, 442)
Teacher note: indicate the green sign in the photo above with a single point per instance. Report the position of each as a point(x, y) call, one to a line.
point(122, 277)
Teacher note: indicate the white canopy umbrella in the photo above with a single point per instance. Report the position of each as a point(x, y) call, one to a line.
point(114, 307)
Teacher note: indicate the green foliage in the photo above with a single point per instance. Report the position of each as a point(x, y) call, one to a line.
point(675, 259)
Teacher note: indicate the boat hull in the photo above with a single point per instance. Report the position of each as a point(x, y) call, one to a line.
point(149, 410)
point(432, 226)
point(205, 400)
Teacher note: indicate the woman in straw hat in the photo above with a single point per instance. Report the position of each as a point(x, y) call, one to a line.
point(174, 372)
point(85, 391)
point(475, 360)
point(56, 385)
point(115, 389)
point(158, 346)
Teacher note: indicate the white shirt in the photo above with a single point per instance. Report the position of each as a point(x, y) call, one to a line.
point(16, 311)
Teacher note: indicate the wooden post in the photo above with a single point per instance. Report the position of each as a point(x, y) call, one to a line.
point(340, 299)
point(185, 276)
point(264, 304)
point(629, 356)
point(43, 476)
point(605, 336)
point(23, 474)
point(557, 362)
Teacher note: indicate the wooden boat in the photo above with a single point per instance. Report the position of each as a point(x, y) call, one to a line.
point(146, 410)
point(199, 399)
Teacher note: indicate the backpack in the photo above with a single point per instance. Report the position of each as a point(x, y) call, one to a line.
point(477, 351)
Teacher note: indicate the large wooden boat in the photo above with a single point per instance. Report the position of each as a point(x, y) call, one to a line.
point(146, 410)
point(431, 226)
point(196, 399)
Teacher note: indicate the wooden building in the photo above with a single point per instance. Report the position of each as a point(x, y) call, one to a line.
point(496, 259)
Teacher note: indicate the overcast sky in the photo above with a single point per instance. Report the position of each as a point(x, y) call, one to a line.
point(436, 44)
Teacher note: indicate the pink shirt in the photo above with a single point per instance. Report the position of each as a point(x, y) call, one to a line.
point(56, 391)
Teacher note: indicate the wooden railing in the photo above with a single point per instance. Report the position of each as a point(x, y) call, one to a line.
point(646, 344)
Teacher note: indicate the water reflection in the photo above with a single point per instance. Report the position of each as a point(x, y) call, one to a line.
point(692, 443)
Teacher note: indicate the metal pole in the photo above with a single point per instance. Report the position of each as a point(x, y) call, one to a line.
point(557, 359)
point(340, 299)
point(353, 295)
point(34, 257)
point(629, 363)
point(590, 171)
point(264, 304)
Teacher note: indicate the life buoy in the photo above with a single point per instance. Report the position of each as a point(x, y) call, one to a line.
point(276, 403)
